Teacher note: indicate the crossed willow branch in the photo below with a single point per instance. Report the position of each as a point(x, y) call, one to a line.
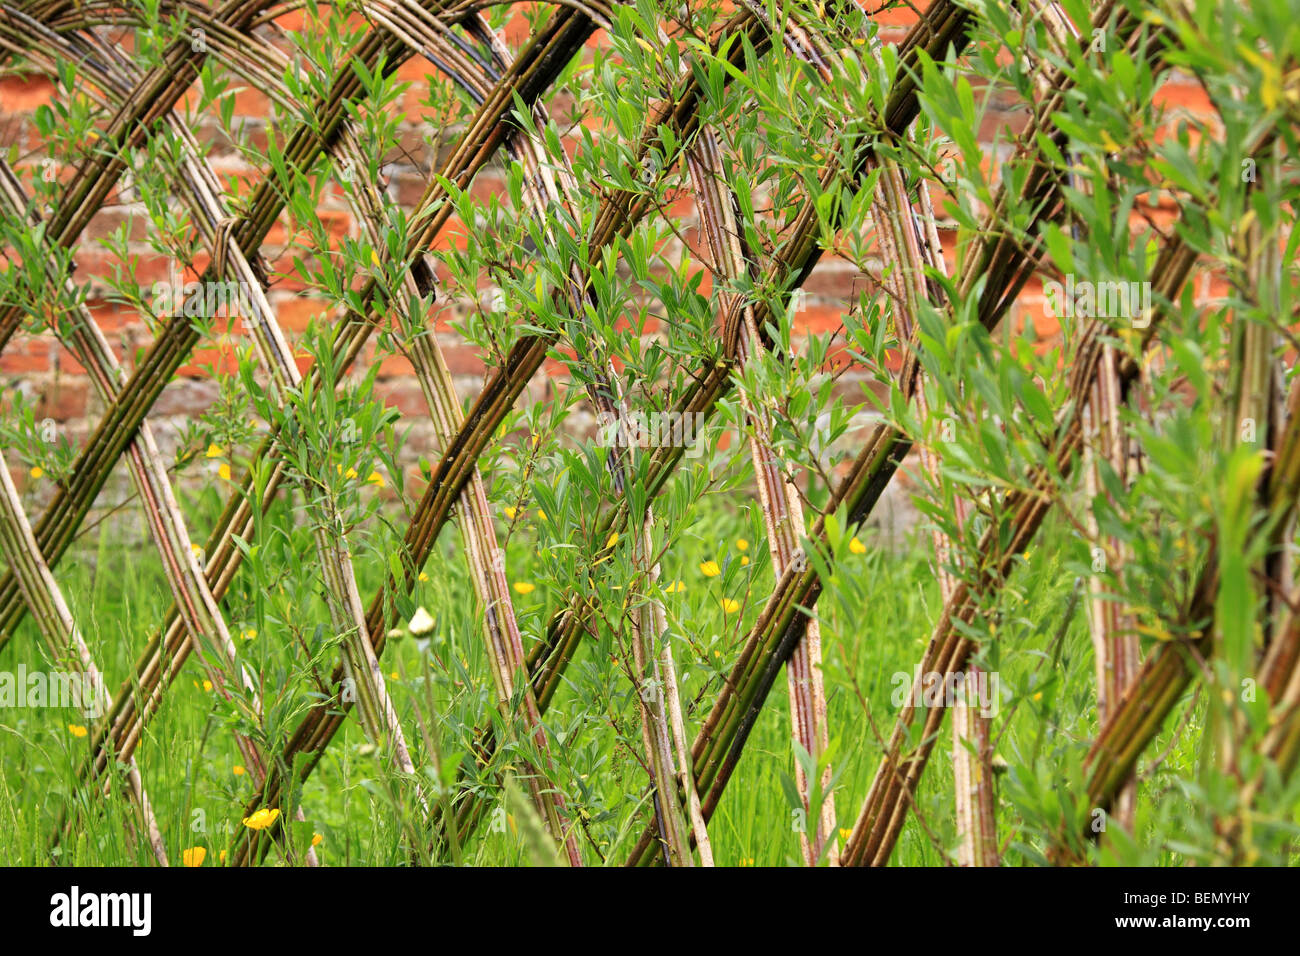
point(273, 348)
point(782, 633)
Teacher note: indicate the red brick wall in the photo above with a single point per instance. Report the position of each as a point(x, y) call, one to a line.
point(49, 376)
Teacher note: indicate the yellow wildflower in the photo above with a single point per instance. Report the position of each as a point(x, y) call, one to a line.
point(215, 451)
point(710, 569)
point(37, 471)
point(730, 606)
point(224, 472)
point(193, 856)
point(511, 512)
point(523, 587)
point(857, 547)
point(237, 770)
point(316, 839)
point(677, 588)
point(742, 544)
point(376, 479)
point(76, 730)
point(261, 819)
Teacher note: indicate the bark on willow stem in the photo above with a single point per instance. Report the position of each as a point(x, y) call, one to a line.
point(782, 509)
point(181, 560)
point(43, 596)
point(478, 531)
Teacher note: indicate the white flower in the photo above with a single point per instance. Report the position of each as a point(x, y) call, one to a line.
point(421, 622)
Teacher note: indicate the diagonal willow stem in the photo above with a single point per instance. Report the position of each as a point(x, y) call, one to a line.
point(914, 244)
point(1114, 639)
point(43, 596)
point(200, 613)
point(486, 559)
point(168, 650)
point(152, 98)
point(615, 218)
point(782, 508)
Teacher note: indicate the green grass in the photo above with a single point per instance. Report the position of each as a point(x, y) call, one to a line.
point(876, 615)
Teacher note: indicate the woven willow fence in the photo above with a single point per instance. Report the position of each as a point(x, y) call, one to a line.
point(877, 168)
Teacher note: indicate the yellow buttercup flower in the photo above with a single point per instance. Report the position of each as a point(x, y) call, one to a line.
point(37, 471)
point(742, 544)
point(523, 587)
point(541, 514)
point(221, 857)
point(77, 730)
point(710, 569)
point(511, 512)
point(193, 856)
point(207, 686)
point(376, 479)
point(744, 561)
point(857, 547)
point(423, 576)
point(224, 472)
point(730, 606)
point(677, 588)
point(249, 633)
point(350, 474)
point(261, 819)
point(316, 839)
point(845, 833)
point(215, 451)
point(237, 770)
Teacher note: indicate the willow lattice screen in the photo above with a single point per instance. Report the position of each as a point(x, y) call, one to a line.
point(792, 132)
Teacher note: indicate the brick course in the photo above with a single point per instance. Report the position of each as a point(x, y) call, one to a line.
point(49, 376)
